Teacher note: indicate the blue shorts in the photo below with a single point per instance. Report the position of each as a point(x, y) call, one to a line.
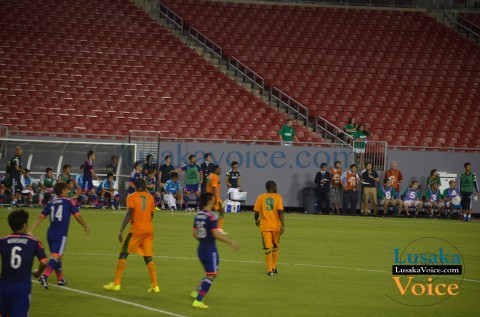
point(192, 188)
point(56, 243)
point(88, 186)
point(210, 262)
point(14, 304)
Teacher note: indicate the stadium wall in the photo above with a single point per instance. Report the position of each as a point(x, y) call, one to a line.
point(294, 168)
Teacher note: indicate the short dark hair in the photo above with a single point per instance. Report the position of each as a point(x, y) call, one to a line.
point(82, 166)
point(206, 155)
point(137, 163)
point(150, 172)
point(17, 218)
point(353, 165)
point(26, 170)
point(167, 157)
point(215, 167)
point(205, 199)
point(234, 163)
point(191, 156)
point(271, 186)
point(288, 120)
point(337, 162)
point(323, 164)
point(140, 185)
point(466, 164)
point(90, 153)
point(174, 174)
point(48, 169)
point(451, 181)
point(59, 187)
point(69, 181)
point(368, 163)
point(413, 182)
point(109, 174)
point(66, 166)
point(386, 180)
point(149, 156)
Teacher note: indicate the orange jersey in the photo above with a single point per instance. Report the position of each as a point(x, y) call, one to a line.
point(268, 205)
point(143, 207)
point(213, 185)
point(395, 177)
point(336, 175)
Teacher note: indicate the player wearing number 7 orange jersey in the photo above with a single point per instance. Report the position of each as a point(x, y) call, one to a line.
point(269, 207)
point(139, 239)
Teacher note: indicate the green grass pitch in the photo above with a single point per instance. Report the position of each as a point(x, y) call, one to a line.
point(329, 266)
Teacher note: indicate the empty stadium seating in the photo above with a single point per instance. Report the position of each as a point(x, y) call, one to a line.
point(412, 80)
point(104, 67)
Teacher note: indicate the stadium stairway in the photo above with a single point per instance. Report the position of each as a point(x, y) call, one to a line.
point(412, 80)
point(102, 68)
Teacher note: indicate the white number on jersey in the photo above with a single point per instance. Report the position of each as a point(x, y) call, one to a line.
point(413, 195)
point(58, 214)
point(388, 195)
point(15, 259)
point(201, 231)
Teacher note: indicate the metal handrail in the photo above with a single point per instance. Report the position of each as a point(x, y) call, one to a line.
point(434, 148)
point(466, 24)
point(203, 40)
point(332, 130)
point(246, 72)
point(169, 15)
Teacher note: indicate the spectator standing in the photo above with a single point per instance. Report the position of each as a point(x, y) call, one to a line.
point(369, 180)
point(15, 170)
point(207, 169)
point(336, 187)
point(164, 176)
point(350, 181)
point(287, 133)
point(395, 176)
point(149, 166)
point(433, 178)
point(350, 127)
point(360, 143)
point(323, 180)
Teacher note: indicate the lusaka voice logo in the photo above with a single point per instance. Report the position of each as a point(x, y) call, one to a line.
point(426, 272)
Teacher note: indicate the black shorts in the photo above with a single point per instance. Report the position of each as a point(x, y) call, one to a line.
point(466, 200)
point(17, 186)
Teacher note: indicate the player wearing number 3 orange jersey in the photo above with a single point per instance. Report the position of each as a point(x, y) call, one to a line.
point(139, 239)
point(269, 207)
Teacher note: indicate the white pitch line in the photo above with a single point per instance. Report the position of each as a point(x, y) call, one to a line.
point(259, 262)
point(164, 312)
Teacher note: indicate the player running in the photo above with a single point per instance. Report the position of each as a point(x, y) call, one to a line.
point(205, 230)
point(270, 207)
point(17, 251)
point(213, 186)
point(59, 209)
point(139, 239)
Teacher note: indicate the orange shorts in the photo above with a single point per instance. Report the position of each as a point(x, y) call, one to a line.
point(141, 243)
point(271, 239)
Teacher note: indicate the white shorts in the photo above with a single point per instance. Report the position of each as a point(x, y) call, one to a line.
point(390, 202)
point(170, 200)
point(27, 192)
point(411, 203)
point(287, 143)
point(355, 150)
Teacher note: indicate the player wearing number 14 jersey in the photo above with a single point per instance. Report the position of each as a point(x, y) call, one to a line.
point(139, 239)
point(59, 210)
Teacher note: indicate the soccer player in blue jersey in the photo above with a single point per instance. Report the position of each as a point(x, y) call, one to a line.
point(88, 173)
point(27, 183)
point(173, 192)
point(17, 251)
point(106, 191)
point(193, 177)
point(59, 210)
point(79, 185)
point(205, 230)
point(151, 182)
point(136, 174)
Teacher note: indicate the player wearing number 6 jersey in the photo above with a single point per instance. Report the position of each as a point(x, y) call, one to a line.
point(59, 210)
point(17, 251)
point(139, 239)
point(205, 230)
point(270, 207)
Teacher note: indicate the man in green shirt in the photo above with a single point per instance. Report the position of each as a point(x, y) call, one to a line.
point(287, 133)
point(468, 183)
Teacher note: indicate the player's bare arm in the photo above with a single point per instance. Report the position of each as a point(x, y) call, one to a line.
point(126, 220)
point(226, 182)
point(82, 222)
point(94, 174)
point(35, 224)
point(257, 219)
point(224, 239)
point(201, 177)
point(41, 267)
point(280, 214)
point(194, 232)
